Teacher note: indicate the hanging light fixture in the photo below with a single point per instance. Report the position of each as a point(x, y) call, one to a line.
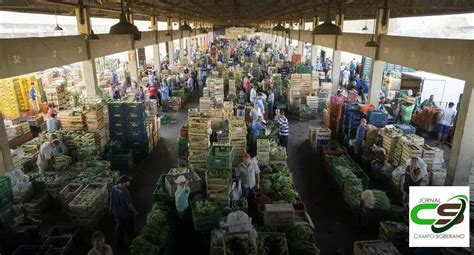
point(278, 27)
point(57, 27)
point(185, 27)
point(125, 27)
point(373, 42)
point(91, 36)
point(327, 28)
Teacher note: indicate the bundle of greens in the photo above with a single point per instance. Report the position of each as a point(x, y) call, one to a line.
point(303, 248)
point(272, 243)
point(287, 194)
point(277, 153)
point(241, 203)
point(299, 231)
point(239, 246)
point(88, 197)
point(154, 234)
point(61, 162)
point(219, 174)
point(204, 208)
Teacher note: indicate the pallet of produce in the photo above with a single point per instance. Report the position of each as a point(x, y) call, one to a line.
point(374, 247)
point(238, 243)
point(205, 104)
point(220, 157)
point(89, 202)
point(194, 182)
point(206, 215)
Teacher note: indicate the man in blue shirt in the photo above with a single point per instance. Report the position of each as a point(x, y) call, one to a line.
point(257, 126)
point(165, 97)
point(123, 210)
point(33, 97)
point(151, 78)
point(259, 102)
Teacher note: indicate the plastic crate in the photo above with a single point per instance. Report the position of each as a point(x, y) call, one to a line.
point(158, 194)
point(352, 107)
point(135, 108)
point(34, 250)
point(221, 150)
point(118, 135)
point(116, 107)
point(64, 230)
point(214, 161)
point(60, 244)
point(377, 118)
point(206, 224)
point(6, 193)
point(136, 125)
point(121, 159)
point(406, 129)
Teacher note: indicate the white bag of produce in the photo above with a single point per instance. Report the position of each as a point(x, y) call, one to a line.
point(239, 221)
point(236, 191)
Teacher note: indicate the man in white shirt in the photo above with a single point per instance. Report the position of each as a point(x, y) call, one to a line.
point(46, 153)
point(445, 121)
point(253, 95)
point(248, 173)
point(345, 77)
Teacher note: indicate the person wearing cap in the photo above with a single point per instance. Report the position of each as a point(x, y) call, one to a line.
point(406, 109)
point(181, 196)
point(123, 210)
point(248, 173)
point(46, 153)
point(100, 247)
point(61, 148)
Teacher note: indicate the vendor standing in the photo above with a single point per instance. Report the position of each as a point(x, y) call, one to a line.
point(181, 196)
point(406, 109)
point(257, 127)
point(46, 153)
point(123, 210)
point(248, 173)
point(284, 129)
point(32, 95)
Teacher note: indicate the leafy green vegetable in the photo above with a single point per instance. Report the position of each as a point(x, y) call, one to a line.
point(272, 243)
point(239, 246)
point(299, 231)
point(204, 208)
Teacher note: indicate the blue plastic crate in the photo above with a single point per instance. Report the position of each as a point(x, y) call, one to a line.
point(352, 107)
point(136, 125)
point(118, 135)
point(135, 107)
point(407, 129)
point(137, 117)
point(118, 116)
point(377, 118)
point(117, 125)
point(137, 135)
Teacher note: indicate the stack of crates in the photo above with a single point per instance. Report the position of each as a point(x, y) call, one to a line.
point(219, 165)
point(263, 151)
point(9, 97)
point(198, 145)
point(136, 129)
point(319, 137)
point(352, 117)
point(6, 195)
point(238, 137)
point(117, 125)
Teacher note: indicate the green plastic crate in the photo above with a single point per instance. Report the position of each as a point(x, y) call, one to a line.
point(214, 161)
point(160, 194)
point(121, 160)
point(223, 150)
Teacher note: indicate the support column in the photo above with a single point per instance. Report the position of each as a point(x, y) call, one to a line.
point(301, 49)
point(336, 70)
point(6, 161)
point(188, 48)
point(314, 55)
point(89, 72)
point(462, 152)
point(156, 48)
point(133, 65)
point(376, 76)
point(376, 80)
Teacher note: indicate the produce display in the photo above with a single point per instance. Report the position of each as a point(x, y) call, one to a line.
point(88, 197)
point(153, 236)
point(277, 153)
point(299, 231)
point(272, 244)
point(349, 184)
point(204, 208)
point(376, 199)
point(60, 162)
point(237, 245)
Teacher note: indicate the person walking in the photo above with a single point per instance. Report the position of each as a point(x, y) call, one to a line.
point(140, 96)
point(271, 104)
point(345, 77)
point(258, 125)
point(32, 95)
point(194, 74)
point(445, 121)
point(284, 129)
point(99, 245)
point(248, 173)
point(123, 210)
point(165, 97)
point(387, 84)
point(241, 104)
point(181, 196)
